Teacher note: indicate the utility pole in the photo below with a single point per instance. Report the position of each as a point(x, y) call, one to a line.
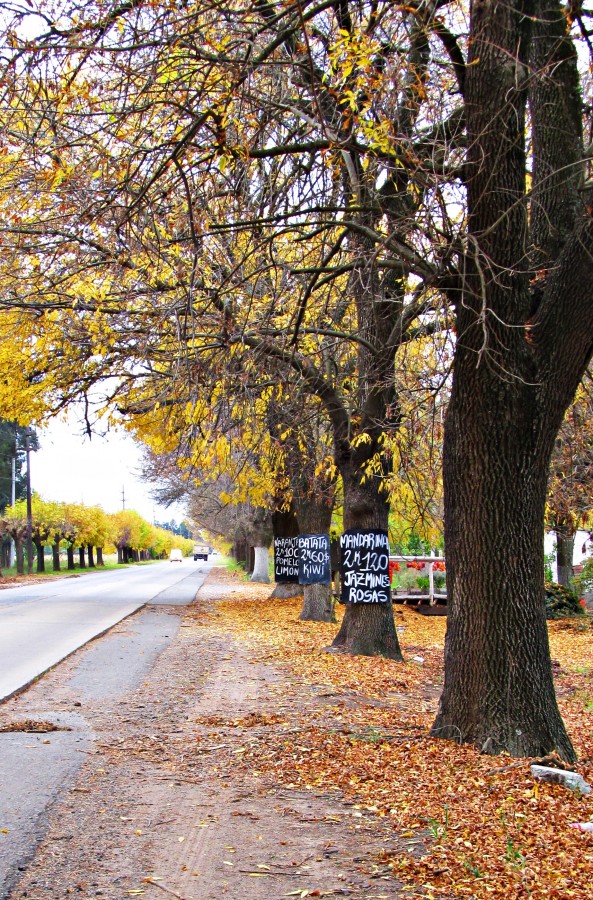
point(29, 509)
point(13, 468)
point(123, 497)
point(12, 553)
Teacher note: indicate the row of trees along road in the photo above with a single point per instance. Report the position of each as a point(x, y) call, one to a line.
point(209, 206)
point(86, 530)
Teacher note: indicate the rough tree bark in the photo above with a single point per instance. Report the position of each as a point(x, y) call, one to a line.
point(314, 517)
point(522, 346)
point(39, 552)
point(5, 549)
point(20, 555)
point(564, 555)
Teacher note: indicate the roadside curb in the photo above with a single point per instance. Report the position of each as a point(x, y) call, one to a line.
point(80, 643)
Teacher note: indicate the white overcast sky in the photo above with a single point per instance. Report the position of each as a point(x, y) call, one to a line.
point(72, 468)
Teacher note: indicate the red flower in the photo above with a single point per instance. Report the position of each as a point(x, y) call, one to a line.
point(582, 602)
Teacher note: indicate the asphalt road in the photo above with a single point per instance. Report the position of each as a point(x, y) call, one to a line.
point(37, 770)
point(41, 624)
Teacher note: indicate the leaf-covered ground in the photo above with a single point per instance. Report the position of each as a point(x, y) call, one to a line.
point(250, 763)
point(483, 826)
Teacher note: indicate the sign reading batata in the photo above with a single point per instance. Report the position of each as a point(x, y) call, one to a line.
point(314, 559)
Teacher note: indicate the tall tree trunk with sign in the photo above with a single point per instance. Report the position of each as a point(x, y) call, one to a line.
point(311, 486)
point(367, 629)
point(285, 525)
point(315, 518)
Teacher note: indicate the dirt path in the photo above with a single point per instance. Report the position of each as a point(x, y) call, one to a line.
point(163, 804)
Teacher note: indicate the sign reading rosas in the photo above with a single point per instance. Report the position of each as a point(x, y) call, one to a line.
point(314, 559)
point(286, 560)
point(364, 566)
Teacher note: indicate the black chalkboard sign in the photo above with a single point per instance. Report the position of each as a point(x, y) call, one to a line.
point(314, 559)
point(286, 560)
point(364, 566)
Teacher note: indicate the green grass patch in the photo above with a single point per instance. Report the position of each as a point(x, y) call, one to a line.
point(233, 566)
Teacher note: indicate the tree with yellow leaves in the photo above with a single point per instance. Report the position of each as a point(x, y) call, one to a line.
point(253, 202)
point(14, 524)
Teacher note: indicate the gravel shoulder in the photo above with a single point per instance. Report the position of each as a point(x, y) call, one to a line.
point(162, 804)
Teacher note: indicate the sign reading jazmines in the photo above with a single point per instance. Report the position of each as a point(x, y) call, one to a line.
point(364, 566)
point(286, 560)
point(314, 561)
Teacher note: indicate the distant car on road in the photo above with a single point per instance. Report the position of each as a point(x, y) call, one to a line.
point(201, 551)
point(175, 556)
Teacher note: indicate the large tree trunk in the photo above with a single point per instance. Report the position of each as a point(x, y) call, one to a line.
point(564, 554)
point(314, 517)
point(367, 629)
point(70, 557)
point(20, 555)
point(499, 692)
point(260, 565)
point(6, 548)
point(91, 556)
point(39, 552)
point(100, 556)
point(318, 603)
point(500, 428)
point(81, 557)
point(55, 550)
point(240, 552)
